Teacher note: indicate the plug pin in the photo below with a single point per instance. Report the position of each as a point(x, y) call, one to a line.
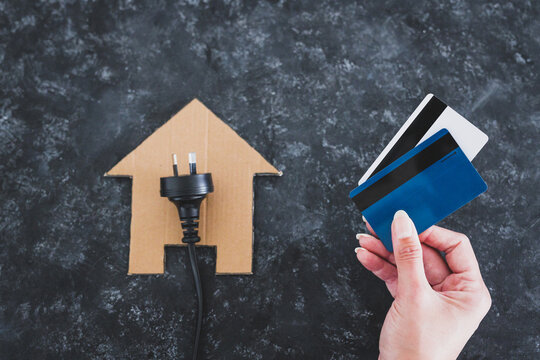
point(192, 163)
point(175, 165)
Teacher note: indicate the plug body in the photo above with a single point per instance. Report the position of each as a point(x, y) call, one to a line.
point(187, 192)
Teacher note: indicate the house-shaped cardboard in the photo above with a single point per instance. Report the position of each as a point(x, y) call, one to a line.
point(226, 215)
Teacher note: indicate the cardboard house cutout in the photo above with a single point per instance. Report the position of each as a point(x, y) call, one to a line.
point(226, 215)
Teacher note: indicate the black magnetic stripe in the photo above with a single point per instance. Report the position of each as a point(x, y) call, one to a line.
point(406, 171)
point(414, 133)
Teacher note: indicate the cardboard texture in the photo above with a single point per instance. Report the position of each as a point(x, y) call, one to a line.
point(227, 213)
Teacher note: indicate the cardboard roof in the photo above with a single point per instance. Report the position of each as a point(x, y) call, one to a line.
point(226, 215)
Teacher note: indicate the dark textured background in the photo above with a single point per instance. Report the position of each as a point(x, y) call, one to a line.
point(318, 88)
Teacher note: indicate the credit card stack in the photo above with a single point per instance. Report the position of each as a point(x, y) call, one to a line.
point(425, 170)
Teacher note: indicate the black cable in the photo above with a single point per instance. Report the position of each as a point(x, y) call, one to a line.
point(198, 288)
point(187, 192)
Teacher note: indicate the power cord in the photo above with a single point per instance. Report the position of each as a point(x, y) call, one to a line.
point(198, 289)
point(187, 192)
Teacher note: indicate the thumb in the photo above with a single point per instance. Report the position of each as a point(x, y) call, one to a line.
point(408, 255)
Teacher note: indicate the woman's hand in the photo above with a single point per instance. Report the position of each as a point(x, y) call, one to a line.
point(438, 303)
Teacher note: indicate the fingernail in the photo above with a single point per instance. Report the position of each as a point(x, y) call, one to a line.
point(356, 250)
point(363, 218)
point(359, 236)
point(402, 225)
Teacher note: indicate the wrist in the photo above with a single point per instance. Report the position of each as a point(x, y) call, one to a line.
point(415, 355)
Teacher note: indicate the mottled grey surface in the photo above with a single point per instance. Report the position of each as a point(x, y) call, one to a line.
point(318, 88)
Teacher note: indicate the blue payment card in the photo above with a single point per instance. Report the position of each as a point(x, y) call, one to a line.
point(429, 182)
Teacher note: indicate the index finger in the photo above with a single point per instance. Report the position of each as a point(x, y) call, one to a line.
point(370, 229)
point(457, 247)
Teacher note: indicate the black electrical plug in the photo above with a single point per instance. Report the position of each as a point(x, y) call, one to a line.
point(187, 192)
